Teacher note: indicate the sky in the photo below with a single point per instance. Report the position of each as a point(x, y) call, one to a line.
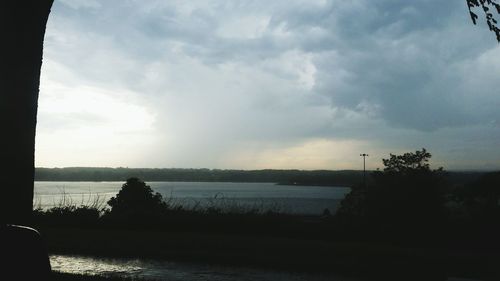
point(292, 84)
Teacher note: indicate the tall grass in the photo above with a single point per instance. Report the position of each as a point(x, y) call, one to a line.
point(65, 200)
point(218, 212)
point(218, 204)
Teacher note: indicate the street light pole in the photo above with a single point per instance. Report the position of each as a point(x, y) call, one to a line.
point(364, 155)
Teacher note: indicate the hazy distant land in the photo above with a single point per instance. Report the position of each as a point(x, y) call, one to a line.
point(348, 178)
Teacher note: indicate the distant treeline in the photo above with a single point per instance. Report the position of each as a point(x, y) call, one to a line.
point(317, 177)
point(299, 177)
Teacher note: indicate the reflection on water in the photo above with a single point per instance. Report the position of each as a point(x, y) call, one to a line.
point(228, 196)
point(164, 270)
point(93, 266)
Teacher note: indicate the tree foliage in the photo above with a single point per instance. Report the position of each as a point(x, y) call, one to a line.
point(137, 199)
point(407, 162)
point(489, 7)
point(406, 192)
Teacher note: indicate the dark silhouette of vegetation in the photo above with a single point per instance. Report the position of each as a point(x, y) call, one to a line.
point(300, 177)
point(137, 200)
point(347, 178)
point(480, 200)
point(489, 7)
point(405, 196)
point(69, 215)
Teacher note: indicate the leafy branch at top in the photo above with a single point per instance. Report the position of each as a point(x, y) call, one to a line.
point(488, 7)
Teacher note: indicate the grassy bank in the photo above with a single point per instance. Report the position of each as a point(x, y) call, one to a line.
point(276, 241)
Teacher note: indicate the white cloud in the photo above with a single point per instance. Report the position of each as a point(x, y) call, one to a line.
point(246, 27)
point(265, 84)
point(78, 4)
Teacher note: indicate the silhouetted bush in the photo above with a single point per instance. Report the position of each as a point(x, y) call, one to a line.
point(137, 200)
point(406, 196)
point(68, 215)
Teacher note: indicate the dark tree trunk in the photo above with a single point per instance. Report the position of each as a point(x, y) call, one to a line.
point(22, 29)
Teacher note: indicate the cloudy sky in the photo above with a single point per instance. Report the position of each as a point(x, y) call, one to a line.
point(267, 84)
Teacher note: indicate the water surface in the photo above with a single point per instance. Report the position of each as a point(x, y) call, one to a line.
point(227, 195)
point(173, 271)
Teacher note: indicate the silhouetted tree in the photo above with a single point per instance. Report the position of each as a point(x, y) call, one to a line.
point(489, 7)
point(136, 199)
point(407, 193)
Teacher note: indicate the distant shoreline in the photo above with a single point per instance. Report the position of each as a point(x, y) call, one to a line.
point(343, 178)
point(330, 178)
point(312, 184)
point(156, 181)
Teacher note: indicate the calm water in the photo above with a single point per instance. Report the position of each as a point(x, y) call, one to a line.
point(229, 196)
point(164, 270)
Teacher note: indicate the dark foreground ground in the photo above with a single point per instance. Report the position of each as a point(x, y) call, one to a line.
point(384, 233)
point(367, 261)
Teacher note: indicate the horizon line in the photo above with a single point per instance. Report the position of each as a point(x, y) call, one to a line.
point(262, 169)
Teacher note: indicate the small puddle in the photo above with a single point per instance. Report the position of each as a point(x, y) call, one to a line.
point(165, 270)
point(174, 271)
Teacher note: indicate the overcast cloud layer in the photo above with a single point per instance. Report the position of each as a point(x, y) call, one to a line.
point(267, 84)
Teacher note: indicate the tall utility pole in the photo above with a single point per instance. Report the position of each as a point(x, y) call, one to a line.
point(364, 155)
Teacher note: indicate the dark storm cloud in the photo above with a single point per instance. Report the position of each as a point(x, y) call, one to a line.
point(396, 74)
